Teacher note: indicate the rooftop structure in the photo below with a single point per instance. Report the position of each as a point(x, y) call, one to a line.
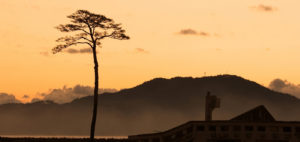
point(255, 125)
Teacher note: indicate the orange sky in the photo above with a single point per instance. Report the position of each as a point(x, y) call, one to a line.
point(255, 39)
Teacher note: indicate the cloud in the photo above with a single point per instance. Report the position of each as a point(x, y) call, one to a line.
point(44, 53)
point(285, 87)
point(7, 98)
point(35, 100)
point(193, 32)
point(141, 50)
point(72, 51)
point(76, 51)
point(188, 32)
point(60, 95)
point(264, 8)
point(68, 94)
point(86, 50)
point(203, 34)
point(218, 49)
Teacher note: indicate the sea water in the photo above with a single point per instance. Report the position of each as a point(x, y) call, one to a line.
point(58, 136)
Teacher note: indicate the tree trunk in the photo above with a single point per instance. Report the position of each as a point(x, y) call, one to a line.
point(94, 117)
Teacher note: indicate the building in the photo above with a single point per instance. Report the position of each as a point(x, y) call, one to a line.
point(256, 125)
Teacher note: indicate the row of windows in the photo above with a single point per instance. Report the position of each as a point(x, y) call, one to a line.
point(236, 128)
point(250, 136)
point(245, 128)
point(273, 136)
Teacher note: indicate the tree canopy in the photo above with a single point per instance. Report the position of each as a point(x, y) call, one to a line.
point(90, 29)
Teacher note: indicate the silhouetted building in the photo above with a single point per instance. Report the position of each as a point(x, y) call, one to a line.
point(256, 125)
point(211, 102)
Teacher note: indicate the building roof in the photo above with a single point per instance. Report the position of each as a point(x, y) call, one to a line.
point(258, 114)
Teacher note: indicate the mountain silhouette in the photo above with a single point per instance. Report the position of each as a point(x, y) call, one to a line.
point(153, 106)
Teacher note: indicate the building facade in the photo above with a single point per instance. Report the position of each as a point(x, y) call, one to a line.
point(256, 125)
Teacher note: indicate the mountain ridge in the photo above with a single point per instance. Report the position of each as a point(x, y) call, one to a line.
point(157, 104)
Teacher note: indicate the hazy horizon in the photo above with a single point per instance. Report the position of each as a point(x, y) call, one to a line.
point(67, 94)
point(155, 105)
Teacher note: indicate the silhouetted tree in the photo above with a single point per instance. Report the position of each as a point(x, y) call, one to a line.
point(89, 29)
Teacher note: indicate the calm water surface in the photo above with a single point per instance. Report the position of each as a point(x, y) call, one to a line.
point(57, 136)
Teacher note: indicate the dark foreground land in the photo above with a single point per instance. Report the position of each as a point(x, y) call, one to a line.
point(3, 139)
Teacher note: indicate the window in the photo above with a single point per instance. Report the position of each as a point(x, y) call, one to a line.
point(179, 134)
point(156, 140)
point(287, 136)
point(200, 128)
point(297, 129)
point(190, 129)
point(298, 137)
point(275, 136)
point(213, 135)
point(225, 135)
point(261, 128)
point(249, 128)
point(237, 128)
point(287, 129)
point(236, 135)
point(248, 136)
point(262, 136)
point(167, 138)
point(212, 128)
point(274, 128)
point(224, 128)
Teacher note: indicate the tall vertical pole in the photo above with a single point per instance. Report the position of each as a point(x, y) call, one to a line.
point(208, 107)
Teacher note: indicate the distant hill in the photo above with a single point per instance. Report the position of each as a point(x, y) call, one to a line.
point(153, 106)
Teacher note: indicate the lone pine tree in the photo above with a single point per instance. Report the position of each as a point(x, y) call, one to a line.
point(89, 29)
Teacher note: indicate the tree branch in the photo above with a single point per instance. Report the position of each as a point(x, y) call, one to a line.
point(93, 30)
point(102, 37)
point(84, 43)
point(85, 31)
point(92, 35)
point(86, 39)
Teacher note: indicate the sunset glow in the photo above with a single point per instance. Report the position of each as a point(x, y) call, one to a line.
point(258, 40)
